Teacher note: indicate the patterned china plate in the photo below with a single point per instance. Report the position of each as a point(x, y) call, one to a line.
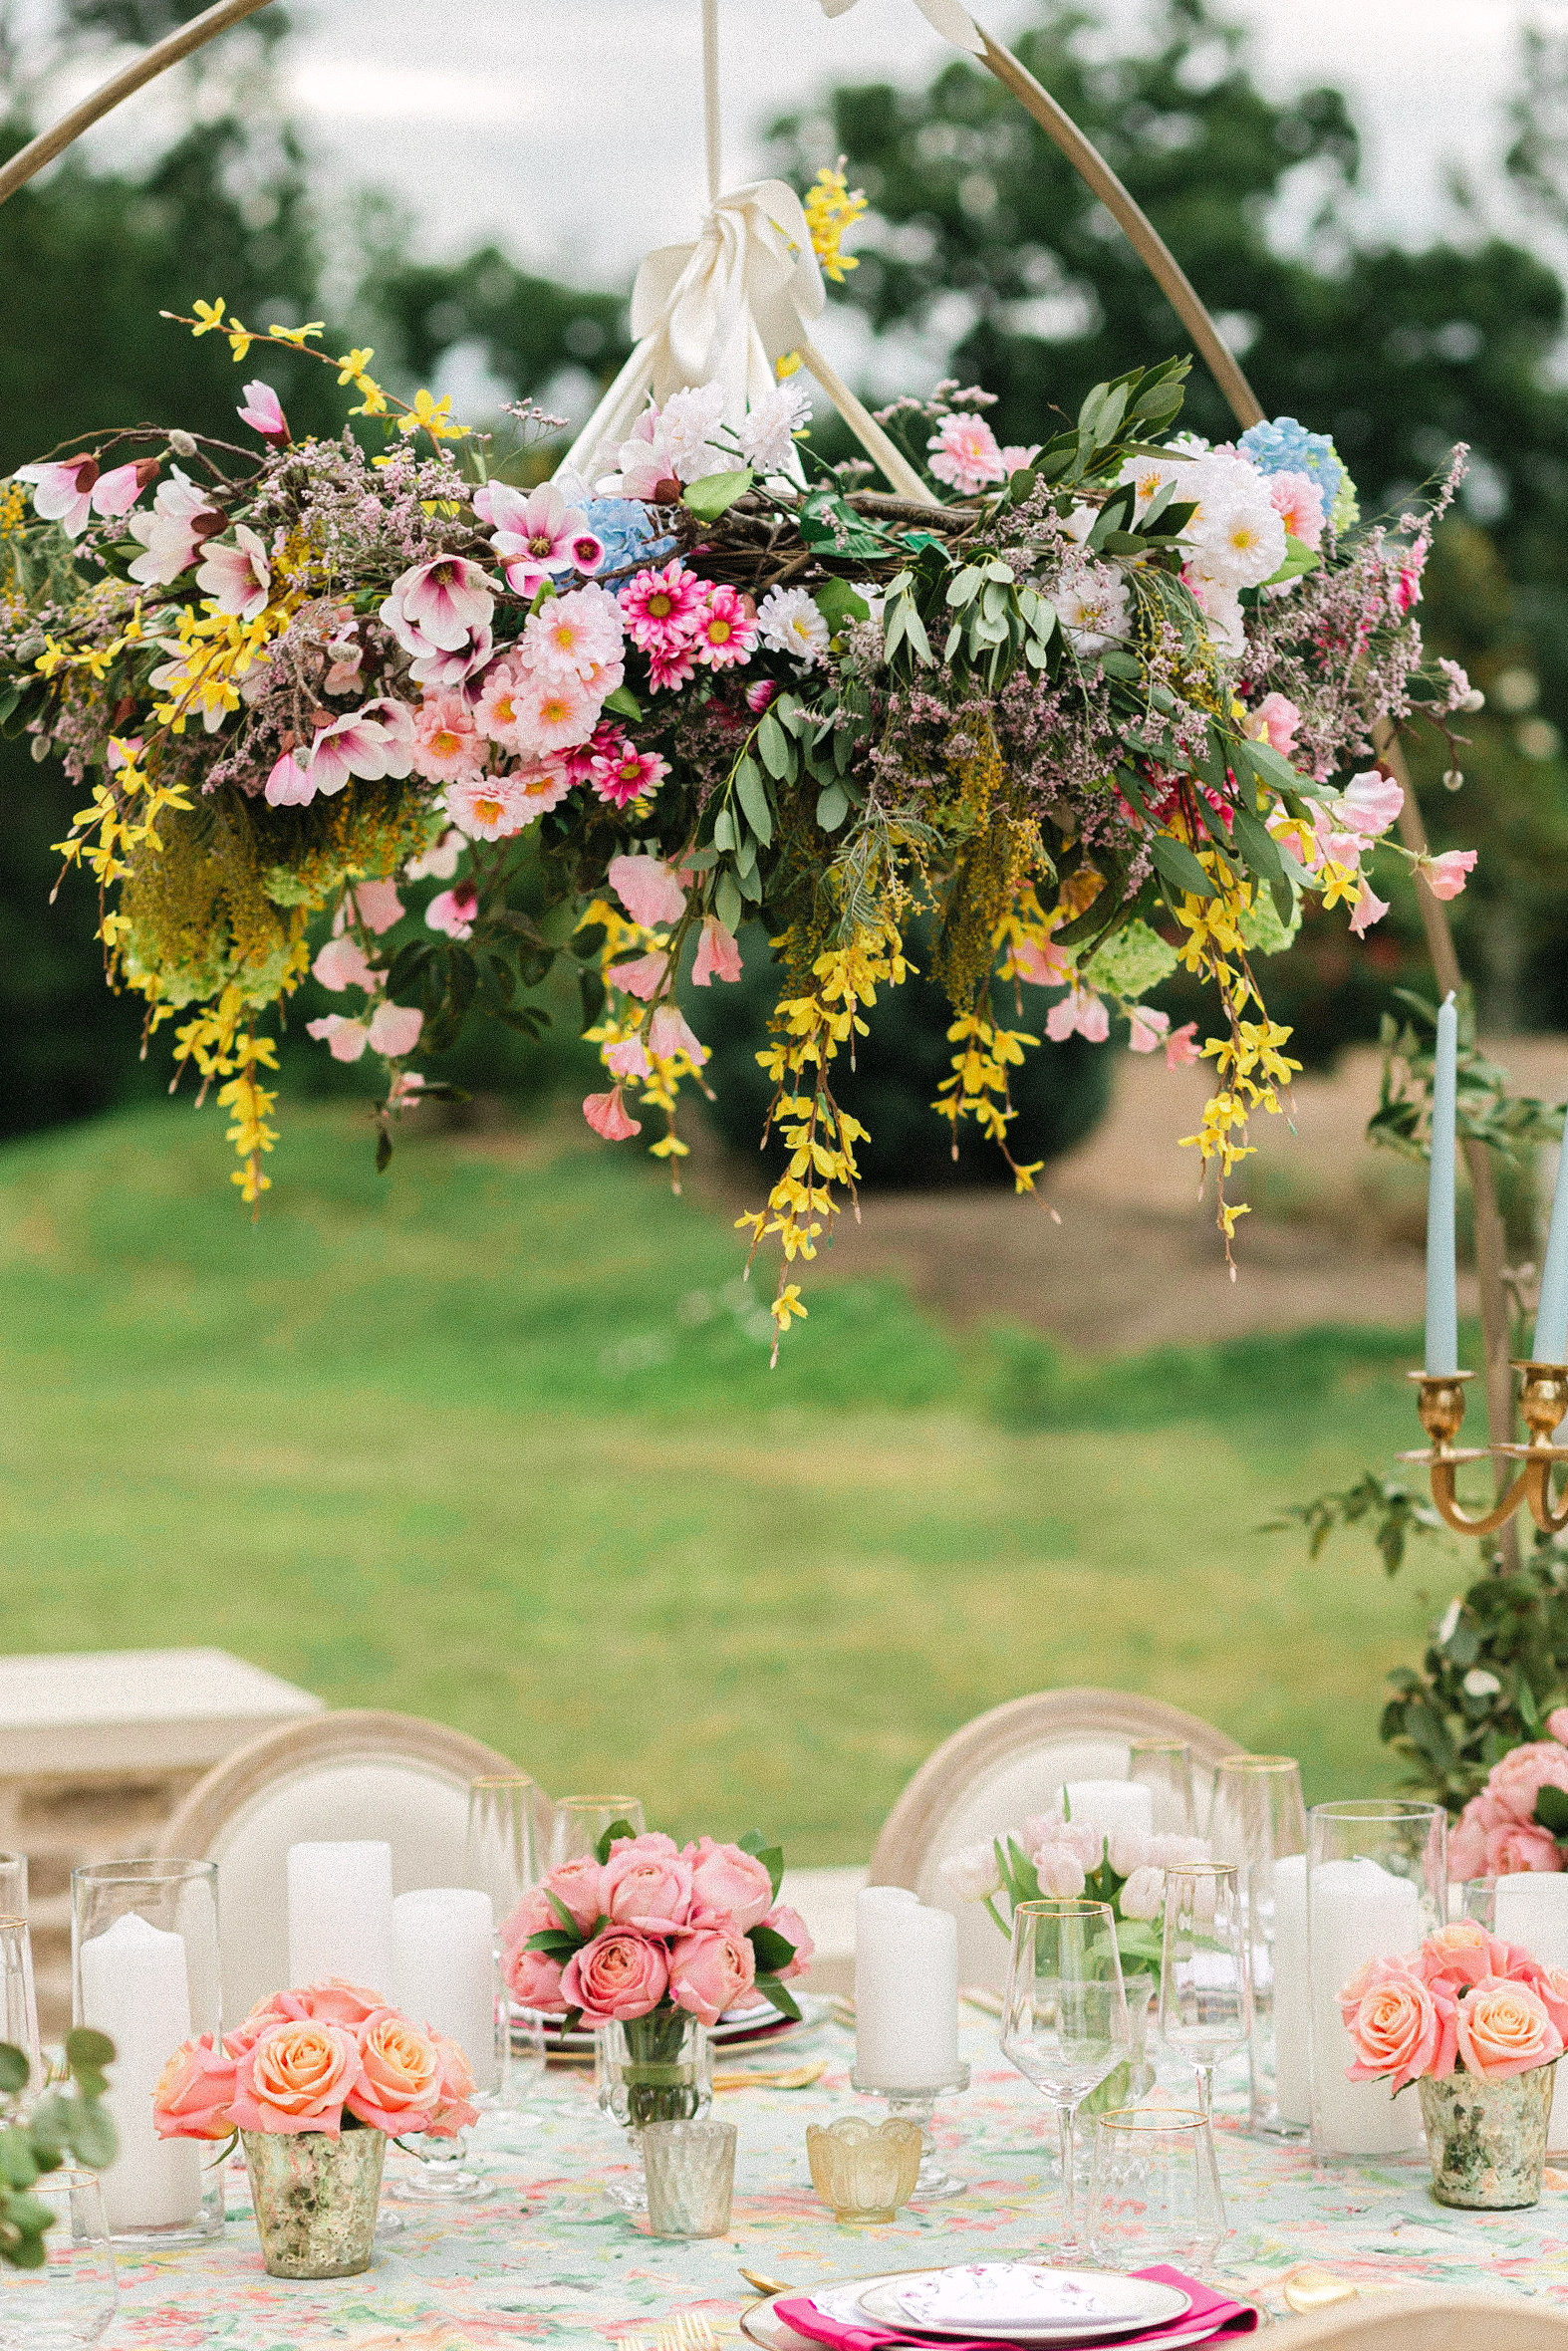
point(759, 2026)
point(1022, 2303)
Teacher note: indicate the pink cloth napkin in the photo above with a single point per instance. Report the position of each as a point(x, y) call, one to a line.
point(1227, 2319)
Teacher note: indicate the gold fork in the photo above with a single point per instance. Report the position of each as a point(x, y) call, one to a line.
point(799, 2077)
point(692, 2330)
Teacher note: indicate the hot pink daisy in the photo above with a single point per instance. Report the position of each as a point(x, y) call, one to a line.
point(726, 631)
point(445, 745)
point(671, 667)
point(605, 741)
point(662, 609)
point(626, 773)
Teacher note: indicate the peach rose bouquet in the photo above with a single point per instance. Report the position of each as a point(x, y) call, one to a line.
point(1464, 2002)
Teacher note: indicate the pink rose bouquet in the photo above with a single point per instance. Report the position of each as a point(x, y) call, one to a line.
point(329, 2057)
point(1519, 1820)
point(1464, 2004)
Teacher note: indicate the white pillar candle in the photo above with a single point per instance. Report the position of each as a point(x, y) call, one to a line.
point(340, 1915)
point(906, 1993)
point(1108, 1805)
point(443, 1969)
point(1292, 2011)
point(1356, 1910)
point(1533, 1909)
point(1442, 1309)
point(135, 1987)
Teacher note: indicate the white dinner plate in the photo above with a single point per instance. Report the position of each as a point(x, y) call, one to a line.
point(841, 2299)
point(1022, 2303)
point(760, 2325)
point(740, 2029)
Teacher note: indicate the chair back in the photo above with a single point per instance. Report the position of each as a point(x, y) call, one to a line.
point(1009, 1763)
point(356, 1774)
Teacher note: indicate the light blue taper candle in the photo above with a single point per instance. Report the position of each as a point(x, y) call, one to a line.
point(1442, 1304)
point(1551, 1316)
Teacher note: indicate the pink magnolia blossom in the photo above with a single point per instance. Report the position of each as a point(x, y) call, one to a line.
point(263, 412)
point(1369, 908)
point(662, 609)
point(341, 965)
point(626, 1057)
point(441, 603)
point(114, 493)
point(377, 905)
point(1080, 1011)
point(63, 492)
point(348, 659)
point(1446, 874)
point(1145, 1027)
point(668, 1034)
point(718, 956)
point(1182, 1047)
point(726, 631)
point(1298, 501)
point(649, 890)
point(1274, 722)
point(168, 534)
point(534, 532)
point(608, 1115)
point(394, 1029)
point(643, 977)
point(451, 668)
point(964, 453)
point(345, 1039)
point(290, 783)
point(453, 911)
point(375, 742)
point(625, 774)
point(445, 745)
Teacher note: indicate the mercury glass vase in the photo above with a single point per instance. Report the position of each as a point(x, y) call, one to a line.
point(316, 2199)
point(1487, 2138)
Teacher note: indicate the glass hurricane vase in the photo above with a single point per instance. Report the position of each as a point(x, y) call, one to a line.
point(651, 2069)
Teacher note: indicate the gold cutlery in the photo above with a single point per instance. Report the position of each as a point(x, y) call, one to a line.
point(692, 2330)
point(1311, 2288)
point(764, 2286)
point(797, 2077)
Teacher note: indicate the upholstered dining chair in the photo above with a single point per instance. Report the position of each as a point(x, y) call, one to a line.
point(1429, 2318)
point(1008, 1763)
point(338, 1775)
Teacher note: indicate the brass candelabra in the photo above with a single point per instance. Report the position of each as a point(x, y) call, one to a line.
point(1543, 1400)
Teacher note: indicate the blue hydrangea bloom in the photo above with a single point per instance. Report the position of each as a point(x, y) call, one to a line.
point(626, 527)
point(1284, 447)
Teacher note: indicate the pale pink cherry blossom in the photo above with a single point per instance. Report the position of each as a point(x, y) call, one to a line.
point(626, 773)
point(453, 911)
point(573, 636)
point(237, 578)
point(1446, 874)
point(626, 1057)
point(167, 532)
point(263, 412)
point(668, 1034)
point(1369, 803)
point(63, 492)
point(964, 453)
point(1274, 722)
point(554, 713)
point(371, 742)
point(290, 783)
point(643, 977)
point(437, 863)
point(718, 956)
point(486, 806)
point(1145, 1027)
point(441, 604)
point(533, 532)
point(446, 744)
point(394, 1029)
point(377, 905)
point(1298, 501)
point(1182, 1047)
point(495, 712)
point(608, 1115)
point(341, 965)
point(1081, 1012)
point(345, 1039)
point(648, 889)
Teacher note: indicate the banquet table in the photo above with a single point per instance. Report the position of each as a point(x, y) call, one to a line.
point(548, 2257)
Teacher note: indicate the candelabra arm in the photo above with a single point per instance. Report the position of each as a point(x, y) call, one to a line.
point(1442, 1411)
point(1544, 1403)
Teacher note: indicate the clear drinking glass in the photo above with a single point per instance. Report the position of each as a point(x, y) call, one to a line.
point(1477, 1900)
point(18, 2001)
point(1064, 2014)
point(1205, 2004)
point(691, 2168)
point(501, 1860)
point(1154, 2188)
point(144, 1968)
point(13, 1884)
point(70, 2300)
point(580, 1821)
point(1165, 1765)
point(1377, 1883)
point(1260, 1821)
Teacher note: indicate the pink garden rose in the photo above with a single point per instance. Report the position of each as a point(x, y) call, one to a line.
point(1557, 1723)
point(533, 1916)
point(1516, 1780)
point(1510, 1851)
point(709, 1971)
point(195, 2092)
point(400, 2084)
point(279, 2007)
point(648, 1884)
point(1459, 1955)
point(619, 1977)
point(788, 1922)
point(296, 2078)
point(335, 2001)
point(1503, 2029)
point(1400, 2027)
point(534, 1979)
point(1550, 1986)
point(729, 1885)
point(579, 1887)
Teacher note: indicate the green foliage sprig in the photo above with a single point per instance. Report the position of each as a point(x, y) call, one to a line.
point(35, 2141)
point(1510, 1124)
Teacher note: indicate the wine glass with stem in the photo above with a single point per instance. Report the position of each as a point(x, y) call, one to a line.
point(1206, 1994)
point(1064, 2017)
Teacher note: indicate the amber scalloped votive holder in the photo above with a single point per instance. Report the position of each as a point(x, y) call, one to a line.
point(863, 2172)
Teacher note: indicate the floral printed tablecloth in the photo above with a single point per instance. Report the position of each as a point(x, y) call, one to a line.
point(548, 2258)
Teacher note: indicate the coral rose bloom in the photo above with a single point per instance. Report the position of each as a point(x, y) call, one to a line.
point(1516, 1781)
point(336, 2001)
point(399, 2086)
point(1400, 2030)
point(455, 2090)
point(194, 2092)
point(617, 1978)
point(1460, 1955)
point(279, 2007)
point(297, 2078)
point(1504, 2029)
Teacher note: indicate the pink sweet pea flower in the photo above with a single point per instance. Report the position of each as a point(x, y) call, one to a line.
point(377, 905)
point(63, 492)
point(649, 890)
point(718, 956)
point(437, 863)
point(1369, 803)
point(626, 1057)
point(1080, 1010)
point(643, 977)
point(1145, 1027)
point(1274, 722)
point(710, 1971)
point(1369, 908)
point(668, 1034)
point(341, 965)
point(441, 604)
point(534, 532)
point(263, 412)
point(608, 1115)
point(394, 1029)
point(964, 453)
point(453, 911)
point(1181, 1046)
point(1446, 874)
point(345, 1039)
point(1043, 966)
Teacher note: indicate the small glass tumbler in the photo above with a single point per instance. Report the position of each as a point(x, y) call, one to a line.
point(1154, 2188)
point(1165, 1766)
point(144, 1968)
point(690, 2170)
point(1259, 1824)
point(863, 2172)
point(579, 1822)
point(71, 2299)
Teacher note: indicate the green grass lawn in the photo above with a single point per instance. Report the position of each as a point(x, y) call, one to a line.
point(494, 1440)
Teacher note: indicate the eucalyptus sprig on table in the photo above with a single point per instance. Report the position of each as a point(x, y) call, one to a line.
point(35, 2141)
